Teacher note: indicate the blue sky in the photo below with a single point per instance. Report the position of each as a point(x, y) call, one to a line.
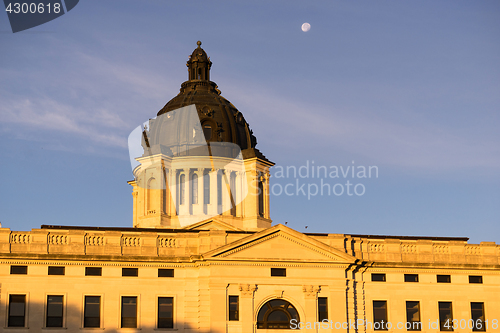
point(412, 87)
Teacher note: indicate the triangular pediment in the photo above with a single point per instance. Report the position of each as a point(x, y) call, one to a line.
point(280, 243)
point(212, 224)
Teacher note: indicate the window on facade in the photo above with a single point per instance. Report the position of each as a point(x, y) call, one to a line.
point(219, 192)
point(232, 187)
point(261, 198)
point(56, 270)
point(17, 311)
point(165, 312)
point(54, 311)
point(378, 277)
point(165, 272)
point(475, 279)
point(411, 277)
point(18, 269)
point(276, 314)
point(130, 271)
point(413, 316)
point(92, 311)
point(182, 189)
point(129, 312)
point(151, 187)
point(477, 314)
point(278, 271)
point(93, 271)
point(380, 315)
point(234, 305)
point(194, 189)
point(206, 188)
point(443, 278)
point(207, 131)
point(322, 308)
point(445, 316)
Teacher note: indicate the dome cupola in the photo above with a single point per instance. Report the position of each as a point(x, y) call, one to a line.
point(199, 65)
point(220, 119)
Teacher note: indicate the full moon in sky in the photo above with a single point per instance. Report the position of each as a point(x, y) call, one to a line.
point(306, 27)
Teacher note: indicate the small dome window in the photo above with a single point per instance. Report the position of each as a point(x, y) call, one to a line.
point(207, 131)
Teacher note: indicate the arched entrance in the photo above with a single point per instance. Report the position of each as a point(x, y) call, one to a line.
point(276, 314)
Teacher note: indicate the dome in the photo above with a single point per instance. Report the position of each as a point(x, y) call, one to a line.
point(220, 119)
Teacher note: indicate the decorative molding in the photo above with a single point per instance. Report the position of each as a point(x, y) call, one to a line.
point(247, 289)
point(409, 248)
point(94, 240)
point(310, 290)
point(55, 239)
point(376, 247)
point(20, 238)
point(441, 249)
point(277, 234)
point(131, 241)
point(473, 250)
point(166, 242)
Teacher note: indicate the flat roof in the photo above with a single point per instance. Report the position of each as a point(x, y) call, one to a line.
point(173, 230)
point(167, 230)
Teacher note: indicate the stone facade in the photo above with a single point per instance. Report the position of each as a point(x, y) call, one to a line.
point(219, 261)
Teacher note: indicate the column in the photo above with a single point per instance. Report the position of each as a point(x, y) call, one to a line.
point(311, 304)
point(247, 312)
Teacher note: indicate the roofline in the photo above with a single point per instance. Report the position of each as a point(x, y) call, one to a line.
point(172, 230)
point(464, 239)
point(166, 230)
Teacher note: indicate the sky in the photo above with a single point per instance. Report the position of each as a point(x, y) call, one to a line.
point(409, 88)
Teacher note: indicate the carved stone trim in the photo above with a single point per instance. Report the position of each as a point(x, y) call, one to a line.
point(247, 290)
point(311, 291)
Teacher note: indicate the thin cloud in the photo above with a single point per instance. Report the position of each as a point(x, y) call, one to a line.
point(423, 145)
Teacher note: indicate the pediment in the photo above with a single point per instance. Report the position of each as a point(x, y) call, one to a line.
point(280, 243)
point(212, 224)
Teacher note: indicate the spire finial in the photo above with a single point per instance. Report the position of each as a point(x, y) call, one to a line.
point(198, 43)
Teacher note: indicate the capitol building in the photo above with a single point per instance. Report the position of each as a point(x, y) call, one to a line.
point(203, 255)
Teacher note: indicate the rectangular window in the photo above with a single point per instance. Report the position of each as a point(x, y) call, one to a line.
point(54, 311)
point(475, 279)
point(93, 271)
point(130, 272)
point(165, 272)
point(18, 269)
point(380, 315)
point(206, 188)
point(92, 311)
point(165, 312)
point(56, 270)
point(17, 311)
point(477, 313)
point(129, 312)
point(379, 277)
point(411, 277)
point(445, 316)
point(443, 278)
point(322, 308)
point(234, 308)
point(278, 271)
point(413, 316)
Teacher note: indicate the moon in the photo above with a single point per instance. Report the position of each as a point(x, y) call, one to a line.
point(306, 27)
